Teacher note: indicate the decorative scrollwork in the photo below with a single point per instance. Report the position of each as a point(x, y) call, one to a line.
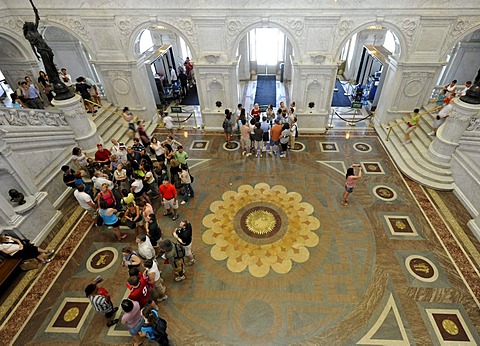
point(474, 124)
point(32, 117)
point(345, 27)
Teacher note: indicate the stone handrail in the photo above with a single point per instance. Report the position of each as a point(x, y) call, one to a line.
point(31, 117)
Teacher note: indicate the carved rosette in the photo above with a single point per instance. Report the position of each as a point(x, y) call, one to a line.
point(234, 28)
point(75, 24)
point(127, 25)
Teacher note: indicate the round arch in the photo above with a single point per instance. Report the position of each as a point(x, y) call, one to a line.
point(20, 43)
point(144, 25)
point(390, 26)
point(85, 42)
point(448, 47)
point(241, 34)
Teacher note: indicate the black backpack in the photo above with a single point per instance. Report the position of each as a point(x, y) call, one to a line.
point(180, 251)
point(160, 332)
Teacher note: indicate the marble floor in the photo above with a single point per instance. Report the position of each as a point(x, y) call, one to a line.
point(279, 260)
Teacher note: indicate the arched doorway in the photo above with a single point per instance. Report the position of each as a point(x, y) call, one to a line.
point(71, 54)
point(362, 69)
point(462, 63)
point(264, 67)
point(162, 56)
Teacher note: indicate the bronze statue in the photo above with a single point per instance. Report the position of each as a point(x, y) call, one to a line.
point(44, 52)
point(16, 196)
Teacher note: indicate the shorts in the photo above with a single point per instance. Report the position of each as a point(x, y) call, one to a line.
point(349, 189)
point(245, 142)
point(188, 249)
point(138, 194)
point(169, 203)
point(131, 127)
point(116, 224)
point(110, 314)
point(138, 327)
point(272, 142)
point(265, 137)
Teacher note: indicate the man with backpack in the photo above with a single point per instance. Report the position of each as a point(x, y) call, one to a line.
point(174, 254)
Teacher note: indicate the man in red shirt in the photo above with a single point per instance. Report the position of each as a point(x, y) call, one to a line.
point(275, 133)
point(138, 289)
point(168, 192)
point(102, 155)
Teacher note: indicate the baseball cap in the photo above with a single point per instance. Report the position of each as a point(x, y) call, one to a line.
point(121, 145)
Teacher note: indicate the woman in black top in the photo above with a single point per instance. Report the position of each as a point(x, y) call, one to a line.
point(84, 90)
point(183, 234)
point(45, 83)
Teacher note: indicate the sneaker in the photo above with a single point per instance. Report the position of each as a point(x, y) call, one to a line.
point(243, 153)
point(179, 278)
point(249, 154)
point(256, 155)
point(189, 263)
point(183, 202)
point(175, 217)
point(270, 153)
point(167, 214)
point(344, 204)
point(162, 298)
point(431, 133)
point(260, 155)
point(50, 252)
point(48, 260)
point(283, 155)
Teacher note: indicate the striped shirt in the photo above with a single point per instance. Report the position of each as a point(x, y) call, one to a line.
point(101, 304)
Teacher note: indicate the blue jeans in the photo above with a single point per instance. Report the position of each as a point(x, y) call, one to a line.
point(187, 190)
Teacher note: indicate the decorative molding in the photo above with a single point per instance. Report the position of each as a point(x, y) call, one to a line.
point(459, 27)
point(186, 27)
point(409, 28)
point(456, 115)
point(127, 25)
point(474, 124)
point(75, 24)
point(12, 23)
point(344, 27)
point(37, 117)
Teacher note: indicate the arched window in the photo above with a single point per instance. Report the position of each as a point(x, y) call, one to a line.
point(267, 46)
point(389, 42)
point(146, 41)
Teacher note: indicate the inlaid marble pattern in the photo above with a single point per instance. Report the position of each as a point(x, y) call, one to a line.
point(328, 147)
point(70, 316)
point(352, 287)
point(199, 145)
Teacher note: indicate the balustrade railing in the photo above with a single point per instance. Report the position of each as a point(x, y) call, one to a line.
point(31, 117)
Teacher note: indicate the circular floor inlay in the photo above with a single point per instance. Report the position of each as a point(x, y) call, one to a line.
point(71, 314)
point(298, 146)
point(362, 147)
point(232, 146)
point(260, 228)
point(421, 268)
point(385, 193)
point(102, 259)
point(260, 222)
point(450, 326)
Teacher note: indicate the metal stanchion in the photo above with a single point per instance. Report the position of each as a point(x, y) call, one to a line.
point(180, 127)
point(352, 122)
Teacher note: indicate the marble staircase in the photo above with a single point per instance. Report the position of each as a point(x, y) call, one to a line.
point(110, 125)
point(413, 159)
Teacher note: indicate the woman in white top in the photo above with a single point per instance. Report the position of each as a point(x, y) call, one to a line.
point(130, 119)
point(158, 149)
point(155, 279)
point(24, 250)
point(451, 89)
point(79, 159)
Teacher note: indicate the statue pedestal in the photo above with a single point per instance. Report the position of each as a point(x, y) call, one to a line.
point(82, 126)
point(449, 134)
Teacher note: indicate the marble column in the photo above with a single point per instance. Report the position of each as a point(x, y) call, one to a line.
point(82, 126)
point(449, 134)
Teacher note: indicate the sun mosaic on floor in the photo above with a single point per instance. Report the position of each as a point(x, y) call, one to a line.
point(280, 261)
